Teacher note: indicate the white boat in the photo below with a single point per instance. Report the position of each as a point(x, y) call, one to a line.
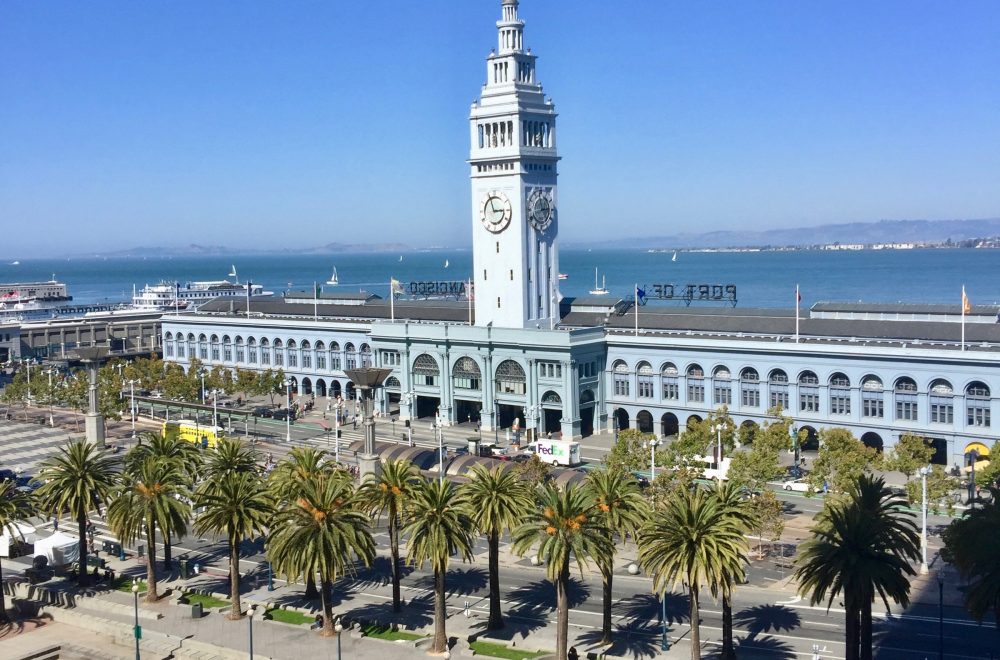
point(445, 263)
point(334, 280)
point(674, 258)
point(166, 296)
point(18, 263)
point(400, 257)
point(232, 273)
point(599, 290)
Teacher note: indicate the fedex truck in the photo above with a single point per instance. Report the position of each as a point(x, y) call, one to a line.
point(555, 452)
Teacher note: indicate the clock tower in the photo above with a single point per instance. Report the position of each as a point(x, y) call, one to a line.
point(513, 160)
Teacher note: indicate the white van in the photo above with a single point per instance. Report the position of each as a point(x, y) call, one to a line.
point(555, 452)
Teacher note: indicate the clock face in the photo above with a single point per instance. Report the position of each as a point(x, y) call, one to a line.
point(540, 209)
point(496, 212)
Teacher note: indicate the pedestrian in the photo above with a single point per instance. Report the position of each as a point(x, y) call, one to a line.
point(573, 655)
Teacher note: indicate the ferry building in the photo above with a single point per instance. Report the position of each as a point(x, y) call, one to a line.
point(520, 353)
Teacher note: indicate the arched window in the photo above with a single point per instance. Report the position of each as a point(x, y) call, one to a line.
point(551, 399)
point(620, 377)
point(279, 353)
point(292, 349)
point(749, 388)
point(265, 351)
point(366, 355)
point(241, 353)
point(320, 356)
point(392, 383)
point(777, 389)
point(644, 378)
point(872, 397)
point(977, 405)
point(202, 347)
point(350, 356)
point(668, 382)
point(466, 374)
point(215, 348)
point(808, 392)
point(252, 350)
point(335, 361)
point(695, 383)
point(722, 391)
point(306, 354)
point(227, 349)
point(840, 394)
point(942, 402)
point(510, 378)
point(906, 399)
point(168, 344)
point(425, 370)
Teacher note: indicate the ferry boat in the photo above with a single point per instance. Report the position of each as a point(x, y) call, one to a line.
point(166, 296)
point(17, 308)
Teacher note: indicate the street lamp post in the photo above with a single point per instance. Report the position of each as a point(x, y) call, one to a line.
point(131, 396)
point(270, 577)
point(440, 436)
point(250, 612)
point(924, 471)
point(718, 451)
point(136, 630)
point(496, 422)
point(52, 421)
point(201, 372)
point(215, 408)
point(288, 410)
point(664, 639)
point(652, 459)
point(339, 628)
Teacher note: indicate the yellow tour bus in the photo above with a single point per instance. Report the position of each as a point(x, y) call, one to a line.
point(200, 435)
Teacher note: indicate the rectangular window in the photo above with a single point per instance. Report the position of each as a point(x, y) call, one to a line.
point(265, 356)
point(169, 349)
point(279, 358)
point(321, 361)
point(335, 361)
point(180, 349)
point(750, 396)
point(498, 302)
point(671, 392)
point(252, 354)
point(511, 274)
point(696, 391)
point(621, 385)
point(215, 353)
point(723, 394)
point(778, 397)
point(293, 358)
point(872, 404)
point(240, 355)
point(227, 353)
point(840, 402)
point(306, 360)
point(906, 407)
point(978, 414)
point(808, 400)
point(425, 379)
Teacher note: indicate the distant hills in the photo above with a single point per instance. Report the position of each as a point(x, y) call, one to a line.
point(195, 250)
point(884, 231)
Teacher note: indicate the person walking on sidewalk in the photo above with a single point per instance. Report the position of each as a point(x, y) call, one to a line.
point(572, 655)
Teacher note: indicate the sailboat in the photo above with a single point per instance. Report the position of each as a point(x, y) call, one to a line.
point(232, 273)
point(674, 258)
point(334, 280)
point(400, 257)
point(599, 290)
point(445, 263)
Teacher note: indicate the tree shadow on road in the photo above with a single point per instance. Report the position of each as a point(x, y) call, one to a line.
point(766, 618)
point(636, 640)
point(379, 574)
point(645, 608)
point(542, 593)
point(762, 647)
point(457, 581)
point(417, 613)
point(519, 623)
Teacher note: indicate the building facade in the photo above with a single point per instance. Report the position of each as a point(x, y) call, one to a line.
point(523, 357)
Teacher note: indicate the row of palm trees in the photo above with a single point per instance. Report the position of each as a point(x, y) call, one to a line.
point(318, 524)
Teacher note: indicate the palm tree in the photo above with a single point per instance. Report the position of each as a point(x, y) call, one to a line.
point(184, 455)
point(322, 530)
point(438, 527)
point(230, 456)
point(860, 546)
point(388, 494)
point(239, 506)
point(153, 495)
point(972, 544)
point(565, 527)
point(15, 507)
point(621, 509)
point(497, 502)
point(730, 497)
point(691, 541)
point(303, 464)
point(78, 480)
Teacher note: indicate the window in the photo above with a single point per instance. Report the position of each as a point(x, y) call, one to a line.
point(510, 378)
point(668, 382)
point(227, 349)
point(390, 358)
point(750, 388)
point(168, 348)
point(620, 378)
point(466, 374)
point(644, 378)
point(252, 351)
point(872, 404)
point(808, 392)
point(977, 405)
point(696, 384)
point(351, 357)
point(306, 355)
point(265, 352)
point(215, 348)
point(840, 395)
point(722, 392)
point(941, 400)
point(241, 354)
point(777, 390)
point(202, 347)
point(425, 370)
point(335, 356)
point(279, 353)
point(321, 355)
point(366, 355)
point(906, 400)
point(293, 353)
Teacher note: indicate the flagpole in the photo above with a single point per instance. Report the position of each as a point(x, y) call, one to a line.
point(635, 293)
point(963, 316)
point(392, 301)
point(249, 288)
point(798, 297)
point(468, 297)
point(315, 301)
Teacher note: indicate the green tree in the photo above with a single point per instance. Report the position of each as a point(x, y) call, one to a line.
point(238, 505)
point(911, 453)
point(219, 379)
point(972, 545)
point(388, 495)
point(153, 496)
point(302, 466)
point(862, 545)
point(533, 471)
point(77, 481)
point(989, 477)
point(761, 463)
point(75, 391)
point(438, 527)
point(322, 531)
point(180, 386)
point(700, 439)
point(15, 507)
point(693, 541)
point(272, 382)
point(630, 452)
point(16, 392)
point(768, 518)
point(246, 382)
point(620, 509)
point(565, 528)
point(497, 502)
point(940, 487)
point(842, 460)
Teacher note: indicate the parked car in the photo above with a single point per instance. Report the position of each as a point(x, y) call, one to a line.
point(796, 485)
point(263, 411)
point(283, 413)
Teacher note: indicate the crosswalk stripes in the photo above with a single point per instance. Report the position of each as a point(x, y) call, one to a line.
point(23, 447)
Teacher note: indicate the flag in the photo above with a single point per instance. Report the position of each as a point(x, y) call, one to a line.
point(319, 289)
point(966, 305)
point(249, 290)
point(640, 295)
point(396, 287)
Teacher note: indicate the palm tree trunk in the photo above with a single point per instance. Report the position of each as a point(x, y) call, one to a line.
point(166, 550)
point(82, 578)
point(394, 556)
point(607, 576)
point(151, 595)
point(865, 630)
point(728, 653)
point(324, 597)
point(3, 602)
point(440, 634)
point(234, 578)
point(695, 624)
point(562, 609)
point(312, 593)
point(851, 632)
point(496, 617)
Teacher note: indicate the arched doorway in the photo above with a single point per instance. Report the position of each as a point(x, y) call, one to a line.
point(335, 390)
point(748, 431)
point(350, 392)
point(693, 419)
point(587, 409)
point(809, 441)
point(669, 426)
point(320, 387)
point(551, 413)
point(307, 387)
point(644, 421)
point(873, 440)
point(621, 419)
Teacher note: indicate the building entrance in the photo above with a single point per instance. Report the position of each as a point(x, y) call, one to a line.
point(508, 415)
point(392, 403)
point(427, 406)
point(551, 421)
point(467, 411)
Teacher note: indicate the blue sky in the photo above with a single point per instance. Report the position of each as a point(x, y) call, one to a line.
point(302, 123)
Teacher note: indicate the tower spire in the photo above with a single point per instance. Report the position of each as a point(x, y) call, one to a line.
point(510, 28)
